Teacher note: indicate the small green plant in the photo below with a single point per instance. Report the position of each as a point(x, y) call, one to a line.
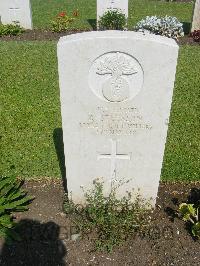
point(62, 21)
point(191, 214)
point(12, 199)
point(112, 20)
point(109, 219)
point(10, 29)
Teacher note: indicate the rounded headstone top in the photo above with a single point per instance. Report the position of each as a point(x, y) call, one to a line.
point(119, 34)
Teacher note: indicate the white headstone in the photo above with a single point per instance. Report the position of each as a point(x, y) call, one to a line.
point(116, 90)
point(196, 16)
point(16, 11)
point(105, 5)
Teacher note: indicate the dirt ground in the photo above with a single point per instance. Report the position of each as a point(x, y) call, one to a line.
point(39, 35)
point(46, 233)
point(42, 35)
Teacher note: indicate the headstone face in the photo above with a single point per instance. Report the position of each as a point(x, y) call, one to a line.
point(196, 16)
point(105, 5)
point(116, 91)
point(16, 11)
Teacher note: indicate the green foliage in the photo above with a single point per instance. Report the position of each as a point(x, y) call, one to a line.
point(196, 229)
point(112, 20)
point(110, 219)
point(10, 29)
point(191, 214)
point(62, 22)
point(12, 199)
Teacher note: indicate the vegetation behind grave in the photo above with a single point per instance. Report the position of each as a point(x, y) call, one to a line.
point(63, 21)
point(165, 26)
point(44, 11)
point(112, 20)
point(10, 29)
point(30, 113)
point(196, 35)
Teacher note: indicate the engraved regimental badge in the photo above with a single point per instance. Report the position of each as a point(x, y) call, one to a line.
point(116, 77)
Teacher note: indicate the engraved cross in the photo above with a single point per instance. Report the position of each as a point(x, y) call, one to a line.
point(114, 156)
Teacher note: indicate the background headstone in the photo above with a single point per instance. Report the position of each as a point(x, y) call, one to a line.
point(16, 11)
point(105, 5)
point(196, 16)
point(116, 90)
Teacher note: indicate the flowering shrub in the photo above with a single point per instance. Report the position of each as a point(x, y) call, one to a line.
point(165, 26)
point(10, 29)
point(62, 21)
point(112, 20)
point(196, 35)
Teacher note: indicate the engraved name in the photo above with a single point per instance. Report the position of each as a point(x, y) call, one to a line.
point(119, 121)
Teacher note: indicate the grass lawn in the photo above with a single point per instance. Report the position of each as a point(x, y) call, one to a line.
point(45, 10)
point(30, 113)
point(182, 161)
point(30, 110)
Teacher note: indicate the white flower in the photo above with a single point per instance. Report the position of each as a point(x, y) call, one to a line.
point(166, 26)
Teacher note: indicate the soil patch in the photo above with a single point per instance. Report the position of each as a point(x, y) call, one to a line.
point(184, 1)
point(187, 40)
point(39, 35)
point(46, 234)
point(45, 35)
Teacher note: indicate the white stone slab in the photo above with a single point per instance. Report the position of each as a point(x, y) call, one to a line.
point(196, 16)
point(16, 11)
point(116, 91)
point(105, 5)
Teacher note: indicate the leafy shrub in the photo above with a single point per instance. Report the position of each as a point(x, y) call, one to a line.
point(165, 26)
point(12, 199)
point(10, 29)
point(196, 35)
point(112, 20)
point(110, 219)
point(191, 214)
point(62, 21)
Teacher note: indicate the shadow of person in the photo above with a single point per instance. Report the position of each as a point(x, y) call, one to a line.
point(59, 146)
point(39, 245)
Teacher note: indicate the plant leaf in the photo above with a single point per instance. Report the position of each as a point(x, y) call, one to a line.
point(196, 229)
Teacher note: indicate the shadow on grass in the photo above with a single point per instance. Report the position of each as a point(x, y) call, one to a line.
point(186, 27)
point(59, 145)
point(39, 244)
point(93, 23)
